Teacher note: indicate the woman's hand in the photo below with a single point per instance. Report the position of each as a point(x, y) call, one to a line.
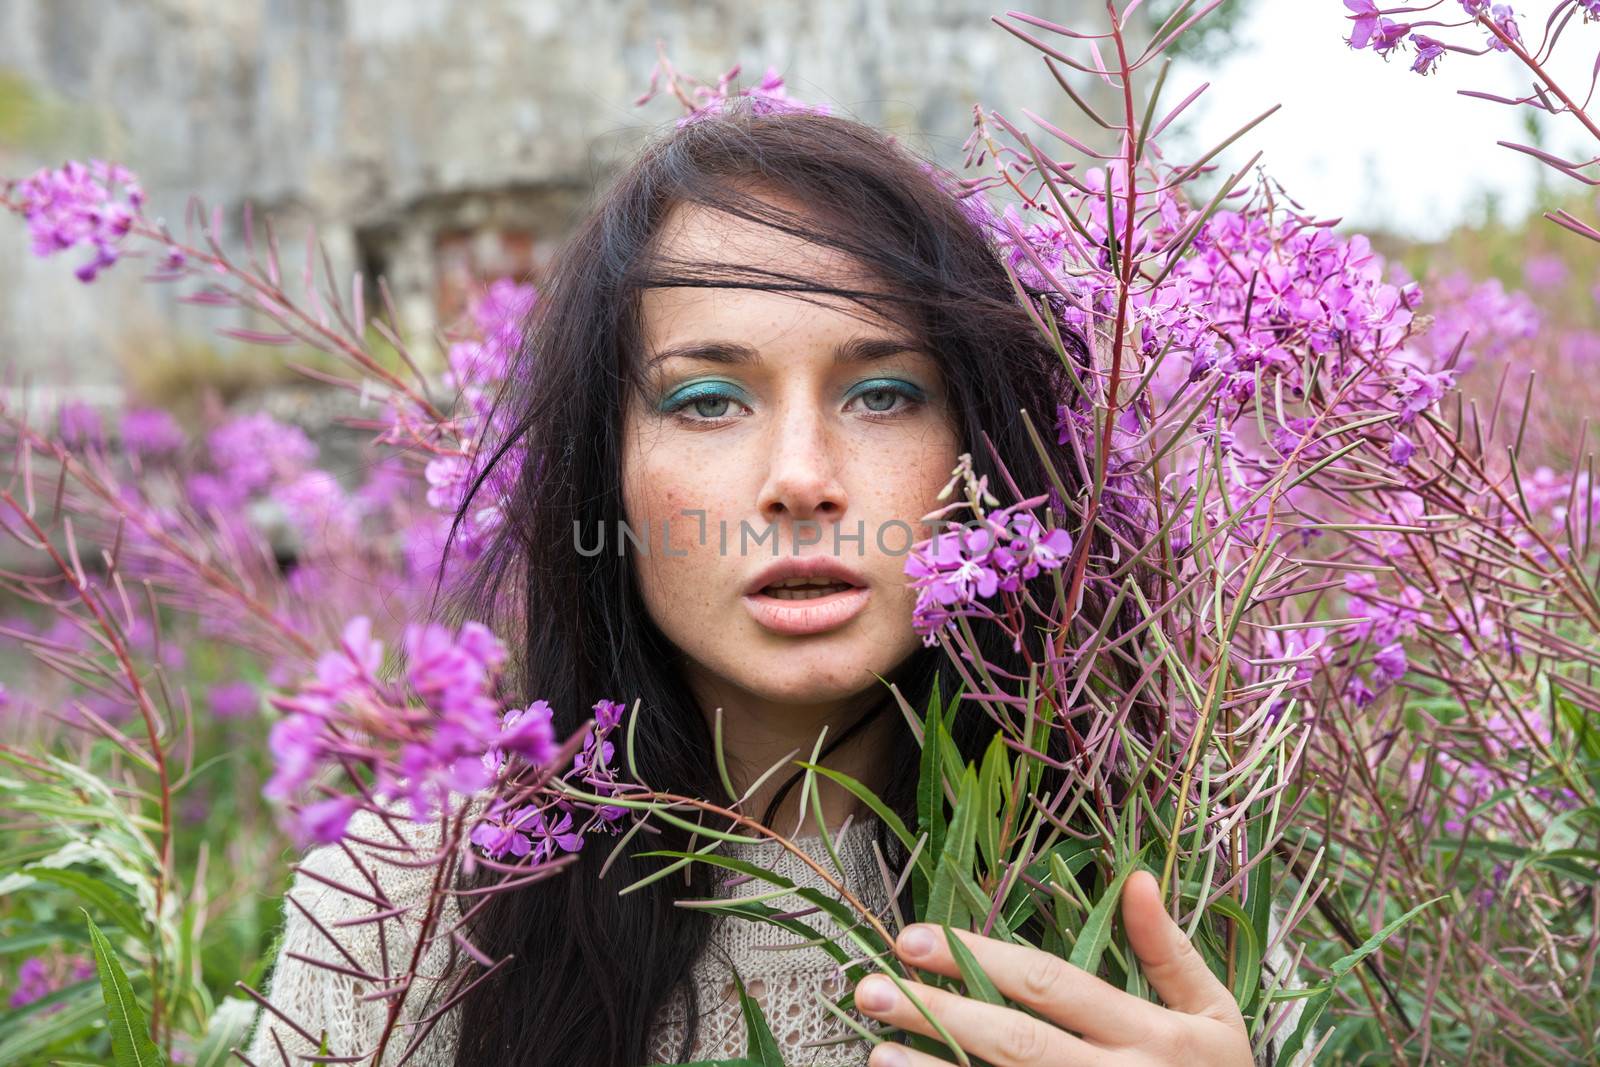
point(1096, 1023)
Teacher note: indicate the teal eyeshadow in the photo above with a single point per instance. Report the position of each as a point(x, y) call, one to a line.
point(694, 391)
point(893, 385)
point(688, 394)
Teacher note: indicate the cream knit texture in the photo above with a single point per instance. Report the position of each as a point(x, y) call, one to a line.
point(783, 973)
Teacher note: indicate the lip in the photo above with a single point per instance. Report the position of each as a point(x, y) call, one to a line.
point(796, 618)
point(803, 567)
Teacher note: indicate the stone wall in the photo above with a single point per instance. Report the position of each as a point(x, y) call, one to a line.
point(433, 140)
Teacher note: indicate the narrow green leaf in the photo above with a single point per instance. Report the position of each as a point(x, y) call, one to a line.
point(100, 894)
point(1096, 932)
point(878, 807)
point(1341, 967)
point(978, 984)
point(992, 781)
point(759, 1042)
point(130, 1026)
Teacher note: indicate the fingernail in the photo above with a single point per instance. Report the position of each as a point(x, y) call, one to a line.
point(888, 1055)
point(917, 940)
point(875, 994)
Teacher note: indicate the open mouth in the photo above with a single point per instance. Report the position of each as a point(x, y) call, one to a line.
point(799, 607)
point(806, 588)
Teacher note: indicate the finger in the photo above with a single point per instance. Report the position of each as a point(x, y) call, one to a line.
point(1002, 1036)
point(1166, 956)
point(893, 1054)
point(1066, 995)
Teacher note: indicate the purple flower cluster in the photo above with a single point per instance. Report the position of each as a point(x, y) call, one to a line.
point(38, 977)
point(149, 433)
point(961, 565)
point(766, 97)
point(1371, 28)
point(479, 364)
point(247, 455)
point(1483, 319)
point(79, 426)
point(417, 749)
point(478, 367)
point(79, 204)
point(536, 832)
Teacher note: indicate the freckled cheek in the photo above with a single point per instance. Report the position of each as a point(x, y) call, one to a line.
point(665, 501)
point(904, 483)
point(898, 485)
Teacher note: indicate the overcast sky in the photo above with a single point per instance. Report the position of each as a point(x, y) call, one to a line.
point(1369, 140)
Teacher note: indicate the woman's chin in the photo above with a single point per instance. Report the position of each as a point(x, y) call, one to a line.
point(803, 680)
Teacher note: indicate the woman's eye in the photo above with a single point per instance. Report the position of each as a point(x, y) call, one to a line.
point(881, 397)
point(698, 403)
point(710, 407)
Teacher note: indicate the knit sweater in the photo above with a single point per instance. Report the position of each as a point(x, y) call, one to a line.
point(779, 969)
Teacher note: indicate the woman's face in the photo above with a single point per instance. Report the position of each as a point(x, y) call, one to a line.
point(778, 429)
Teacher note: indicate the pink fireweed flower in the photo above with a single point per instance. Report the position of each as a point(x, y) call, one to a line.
point(504, 831)
point(233, 700)
point(1364, 22)
point(1379, 618)
point(79, 425)
point(247, 456)
point(528, 831)
point(1390, 663)
point(1428, 52)
point(1420, 391)
point(1545, 271)
point(324, 822)
point(768, 96)
point(1401, 449)
point(149, 432)
point(1505, 20)
point(38, 977)
point(79, 204)
point(317, 506)
point(526, 732)
point(957, 567)
point(435, 735)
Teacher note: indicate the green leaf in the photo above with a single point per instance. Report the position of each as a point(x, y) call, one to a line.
point(930, 781)
point(1247, 965)
point(716, 859)
point(1341, 967)
point(1096, 932)
point(859, 931)
point(100, 894)
point(993, 785)
point(130, 1027)
point(955, 859)
point(759, 1042)
point(755, 911)
point(978, 984)
point(878, 807)
point(1583, 727)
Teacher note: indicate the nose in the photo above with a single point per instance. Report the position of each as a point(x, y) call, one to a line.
point(803, 468)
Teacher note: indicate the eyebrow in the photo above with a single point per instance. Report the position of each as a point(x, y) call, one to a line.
point(855, 350)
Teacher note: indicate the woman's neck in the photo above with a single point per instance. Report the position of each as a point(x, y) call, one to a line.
point(758, 733)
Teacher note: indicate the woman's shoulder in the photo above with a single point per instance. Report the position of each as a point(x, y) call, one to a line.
point(382, 854)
